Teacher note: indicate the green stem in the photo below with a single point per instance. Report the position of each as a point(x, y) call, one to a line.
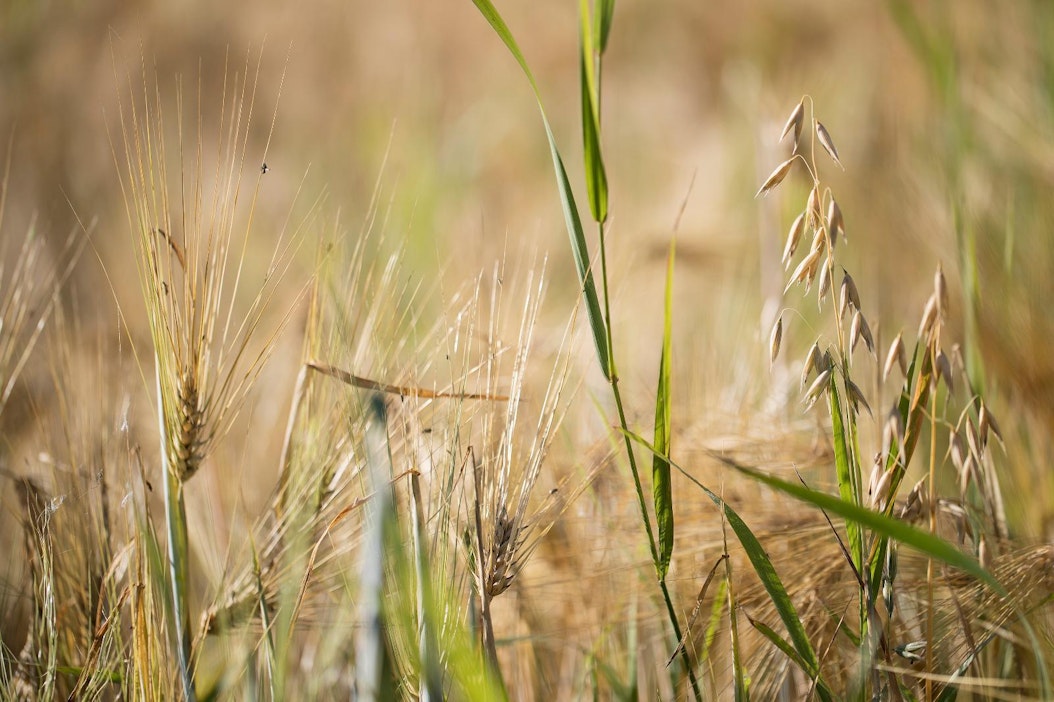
point(645, 518)
point(178, 548)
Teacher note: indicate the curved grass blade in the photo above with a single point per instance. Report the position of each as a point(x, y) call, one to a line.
point(589, 66)
point(604, 12)
point(662, 489)
point(921, 541)
point(770, 579)
point(844, 471)
point(573, 222)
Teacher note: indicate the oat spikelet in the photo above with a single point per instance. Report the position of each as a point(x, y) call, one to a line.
point(930, 316)
point(817, 387)
point(812, 207)
point(813, 361)
point(794, 123)
point(777, 176)
point(774, 340)
point(847, 294)
point(896, 356)
point(796, 231)
point(944, 370)
point(940, 290)
point(827, 143)
point(805, 270)
point(835, 222)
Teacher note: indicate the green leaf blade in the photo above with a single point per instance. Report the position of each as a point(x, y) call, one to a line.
point(662, 488)
point(579, 247)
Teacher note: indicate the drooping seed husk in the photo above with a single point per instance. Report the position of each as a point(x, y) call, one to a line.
point(777, 176)
point(794, 122)
point(827, 142)
point(896, 355)
point(793, 237)
point(774, 340)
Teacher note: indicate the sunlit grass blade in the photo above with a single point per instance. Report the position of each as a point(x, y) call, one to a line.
point(662, 489)
point(847, 486)
point(773, 585)
point(603, 13)
point(921, 541)
point(766, 572)
point(572, 220)
point(589, 65)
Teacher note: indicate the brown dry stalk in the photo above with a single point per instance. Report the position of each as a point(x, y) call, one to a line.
point(401, 390)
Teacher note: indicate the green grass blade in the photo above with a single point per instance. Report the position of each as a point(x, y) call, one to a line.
point(777, 641)
point(766, 573)
point(921, 541)
point(844, 470)
point(573, 222)
point(596, 176)
point(603, 14)
point(773, 585)
point(662, 488)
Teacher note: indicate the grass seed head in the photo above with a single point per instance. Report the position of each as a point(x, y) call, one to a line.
point(880, 496)
point(988, 424)
point(858, 330)
point(930, 316)
point(774, 340)
point(827, 143)
point(812, 207)
point(940, 290)
point(835, 222)
point(777, 176)
point(818, 386)
point(805, 271)
point(794, 123)
point(813, 361)
point(847, 294)
point(793, 237)
point(896, 356)
point(857, 397)
point(824, 285)
point(944, 370)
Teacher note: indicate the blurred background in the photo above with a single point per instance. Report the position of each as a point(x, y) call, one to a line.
point(942, 112)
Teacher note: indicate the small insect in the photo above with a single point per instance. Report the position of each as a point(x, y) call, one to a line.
point(264, 168)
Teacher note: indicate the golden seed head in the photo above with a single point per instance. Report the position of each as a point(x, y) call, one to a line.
point(793, 238)
point(827, 143)
point(774, 340)
point(777, 176)
point(896, 356)
point(794, 122)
